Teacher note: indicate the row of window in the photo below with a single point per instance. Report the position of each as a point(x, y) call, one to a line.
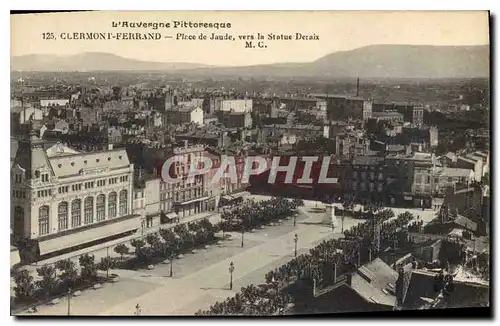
point(91, 184)
point(44, 193)
point(63, 189)
point(18, 178)
point(18, 193)
point(427, 179)
point(424, 189)
point(363, 175)
point(64, 210)
point(184, 194)
point(371, 186)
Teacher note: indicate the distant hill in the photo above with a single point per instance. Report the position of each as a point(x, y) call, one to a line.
point(92, 61)
point(375, 61)
point(383, 61)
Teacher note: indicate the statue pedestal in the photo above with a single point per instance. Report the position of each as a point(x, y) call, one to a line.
point(330, 217)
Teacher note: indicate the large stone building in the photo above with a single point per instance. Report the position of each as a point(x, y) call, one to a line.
point(339, 108)
point(64, 200)
point(183, 114)
point(235, 119)
point(147, 200)
point(237, 105)
point(184, 196)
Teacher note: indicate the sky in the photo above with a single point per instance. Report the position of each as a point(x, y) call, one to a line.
point(337, 31)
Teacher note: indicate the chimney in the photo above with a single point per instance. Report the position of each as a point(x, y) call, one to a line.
point(357, 88)
point(359, 253)
point(349, 279)
point(402, 284)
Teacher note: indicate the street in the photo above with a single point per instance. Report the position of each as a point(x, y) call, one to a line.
point(202, 278)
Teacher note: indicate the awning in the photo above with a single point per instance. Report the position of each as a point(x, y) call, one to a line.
point(172, 215)
point(89, 235)
point(226, 197)
point(240, 194)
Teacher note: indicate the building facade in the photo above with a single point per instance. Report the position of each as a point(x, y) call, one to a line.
point(64, 200)
point(183, 114)
point(185, 197)
point(237, 105)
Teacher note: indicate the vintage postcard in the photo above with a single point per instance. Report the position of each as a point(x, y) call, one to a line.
point(250, 163)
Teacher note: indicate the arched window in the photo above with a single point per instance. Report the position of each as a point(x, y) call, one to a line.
point(112, 205)
point(62, 216)
point(18, 213)
point(101, 207)
point(88, 208)
point(43, 220)
point(76, 213)
point(123, 202)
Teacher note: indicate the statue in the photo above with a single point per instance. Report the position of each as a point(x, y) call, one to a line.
point(329, 217)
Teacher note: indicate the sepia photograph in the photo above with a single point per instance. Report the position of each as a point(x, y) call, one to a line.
point(250, 163)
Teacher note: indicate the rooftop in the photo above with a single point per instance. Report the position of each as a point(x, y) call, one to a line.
point(386, 114)
point(452, 172)
point(367, 160)
point(376, 282)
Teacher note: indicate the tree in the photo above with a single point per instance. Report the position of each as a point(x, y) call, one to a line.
point(25, 288)
point(106, 264)
point(144, 254)
point(48, 281)
point(153, 239)
point(69, 274)
point(121, 249)
point(137, 244)
point(385, 214)
point(88, 266)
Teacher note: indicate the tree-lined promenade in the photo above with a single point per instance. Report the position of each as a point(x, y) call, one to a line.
point(54, 280)
point(337, 256)
point(253, 214)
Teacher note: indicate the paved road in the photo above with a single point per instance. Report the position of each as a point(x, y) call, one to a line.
point(202, 278)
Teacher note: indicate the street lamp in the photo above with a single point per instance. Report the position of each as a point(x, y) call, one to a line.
point(231, 270)
point(69, 301)
point(242, 234)
point(296, 239)
point(171, 260)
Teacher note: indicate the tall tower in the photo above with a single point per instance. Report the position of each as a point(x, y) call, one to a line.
point(418, 116)
point(31, 170)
